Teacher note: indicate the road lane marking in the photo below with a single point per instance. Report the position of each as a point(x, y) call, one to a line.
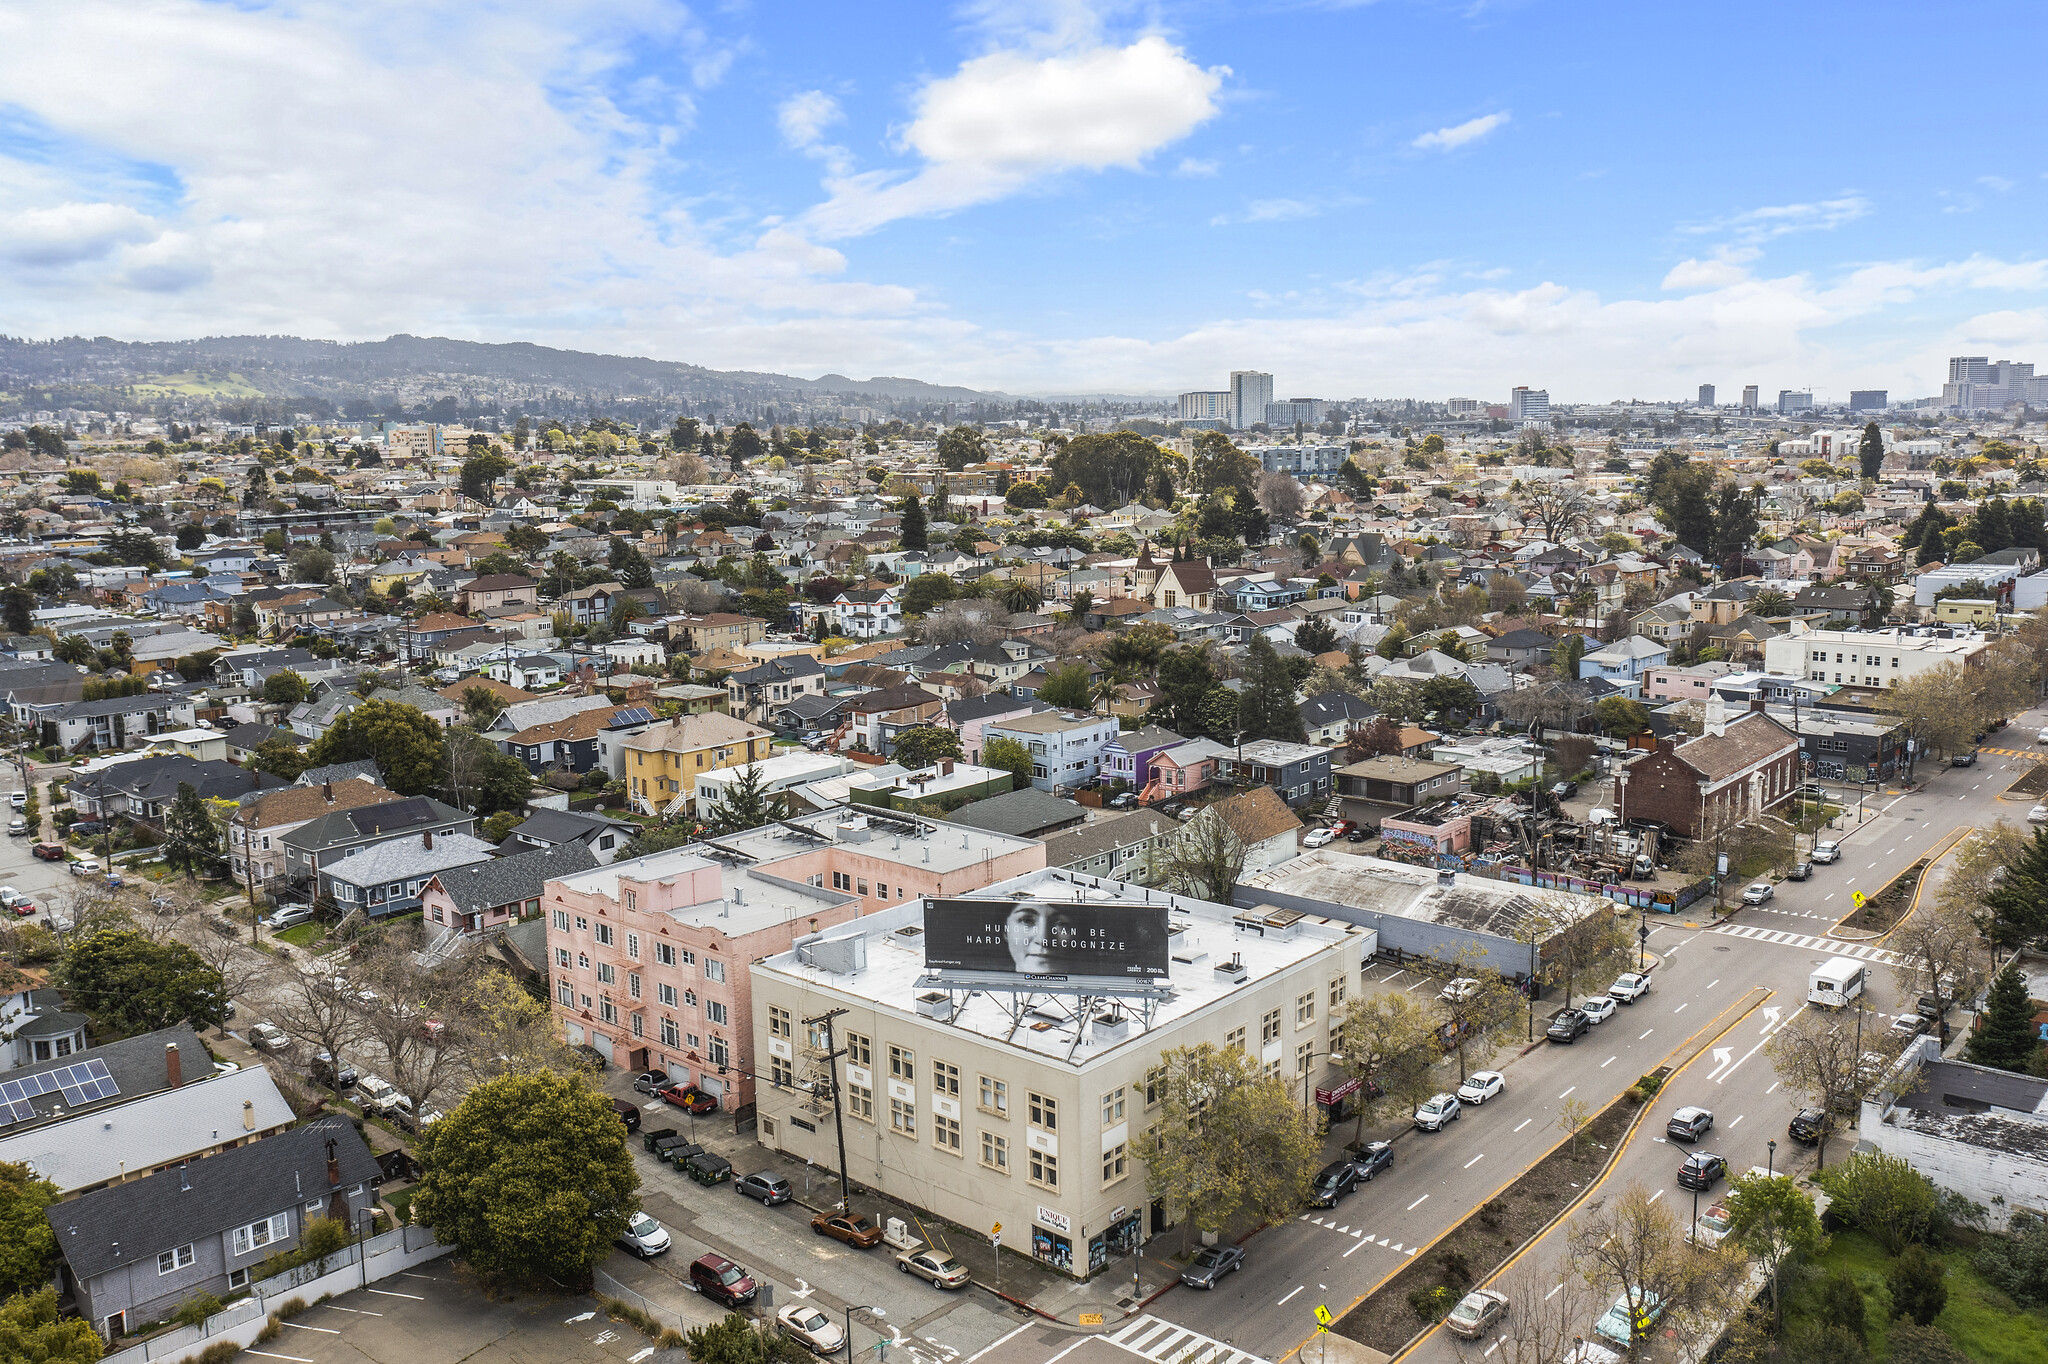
point(1738, 1121)
point(1524, 1123)
point(1657, 1195)
point(323, 1330)
point(1297, 1288)
point(1608, 1062)
point(1413, 1206)
point(1355, 1248)
point(1646, 1033)
point(1712, 983)
point(1773, 1089)
point(1475, 1160)
point(1553, 1293)
point(1681, 1008)
point(1491, 1348)
point(1568, 1093)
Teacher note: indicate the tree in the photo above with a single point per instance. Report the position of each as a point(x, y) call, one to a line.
point(1619, 716)
point(926, 745)
point(509, 1032)
point(1375, 738)
point(2006, 1037)
point(1185, 679)
point(310, 564)
point(735, 1339)
point(1219, 464)
point(31, 1332)
point(1386, 1042)
point(1279, 496)
point(530, 1177)
point(1017, 595)
point(1572, 1117)
point(130, 984)
point(1205, 858)
point(1836, 1303)
point(17, 604)
point(1314, 637)
point(1939, 953)
point(1870, 451)
point(410, 748)
point(1445, 696)
point(278, 756)
point(1629, 1246)
point(1565, 655)
point(245, 620)
point(1229, 1140)
point(629, 565)
point(1265, 708)
point(743, 444)
point(1068, 687)
point(1935, 706)
point(1772, 1221)
point(285, 688)
point(483, 778)
point(27, 1244)
point(1010, 756)
point(1546, 1317)
point(925, 591)
point(1475, 1020)
point(743, 804)
point(2017, 903)
point(526, 540)
point(1113, 468)
point(911, 535)
point(1919, 1285)
point(1882, 1195)
point(1559, 506)
point(1911, 1343)
point(1818, 1059)
point(1735, 523)
point(191, 839)
point(962, 446)
point(482, 705)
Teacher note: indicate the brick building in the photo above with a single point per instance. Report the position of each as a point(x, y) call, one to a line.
point(1735, 771)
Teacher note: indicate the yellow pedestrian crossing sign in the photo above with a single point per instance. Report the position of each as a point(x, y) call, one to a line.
point(1856, 899)
point(1322, 1316)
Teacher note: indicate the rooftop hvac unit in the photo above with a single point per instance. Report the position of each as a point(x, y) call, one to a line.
point(1233, 970)
point(936, 1005)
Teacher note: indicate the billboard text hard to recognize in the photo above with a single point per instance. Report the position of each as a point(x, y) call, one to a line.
point(1046, 938)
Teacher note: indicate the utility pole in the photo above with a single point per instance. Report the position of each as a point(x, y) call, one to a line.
point(832, 1055)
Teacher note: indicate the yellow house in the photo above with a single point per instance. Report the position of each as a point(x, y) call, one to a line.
point(663, 763)
point(383, 579)
point(1966, 610)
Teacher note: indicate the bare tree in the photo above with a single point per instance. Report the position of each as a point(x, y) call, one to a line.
point(1558, 506)
point(1941, 955)
point(1476, 1010)
point(1545, 1319)
point(321, 1012)
point(1280, 495)
point(1629, 1245)
point(1205, 858)
point(418, 1019)
point(509, 1032)
point(241, 967)
point(1572, 1117)
point(1387, 1043)
point(1829, 1062)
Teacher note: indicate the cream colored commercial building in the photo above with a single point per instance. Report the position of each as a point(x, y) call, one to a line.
point(987, 1120)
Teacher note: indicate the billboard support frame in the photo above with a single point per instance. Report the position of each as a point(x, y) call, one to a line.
point(1017, 999)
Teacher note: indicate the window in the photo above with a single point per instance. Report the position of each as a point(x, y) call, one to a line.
point(689, 999)
point(560, 920)
point(1234, 1038)
point(945, 1079)
point(562, 957)
point(567, 996)
point(665, 953)
point(1304, 1058)
point(903, 1117)
point(639, 1025)
point(633, 946)
point(1114, 1164)
point(780, 1073)
point(995, 1152)
point(172, 1261)
point(719, 1052)
point(238, 1278)
point(583, 961)
point(716, 1012)
point(606, 975)
point(633, 984)
point(1269, 1027)
point(1336, 994)
point(632, 899)
point(841, 881)
point(778, 1022)
point(946, 1135)
point(902, 1064)
point(714, 969)
point(666, 994)
point(1305, 1010)
point(860, 1102)
point(582, 924)
point(860, 1051)
point(1045, 1112)
point(995, 1096)
point(1045, 1170)
point(607, 1011)
point(668, 1032)
point(1113, 1107)
point(261, 1233)
point(861, 886)
point(1155, 1085)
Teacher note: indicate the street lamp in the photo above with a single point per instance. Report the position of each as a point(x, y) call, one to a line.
point(1695, 1218)
point(1771, 1169)
point(850, 1310)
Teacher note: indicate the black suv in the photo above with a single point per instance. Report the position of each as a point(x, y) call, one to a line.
point(1568, 1026)
point(1968, 759)
point(1807, 1125)
point(1702, 1170)
point(1335, 1180)
point(1564, 789)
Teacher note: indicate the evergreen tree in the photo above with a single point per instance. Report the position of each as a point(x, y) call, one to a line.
point(1735, 523)
point(1184, 682)
point(1870, 451)
point(16, 604)
point(1393, 641)
point(743, 805)
point(2019, 903)
point(1991, 526)
point(911, 535)
point(190, 840)
point(1265, 708)
point(2006, 1037)
point(742, 445)
point(629, 565)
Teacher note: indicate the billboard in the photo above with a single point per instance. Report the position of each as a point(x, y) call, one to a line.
point(1046, 938)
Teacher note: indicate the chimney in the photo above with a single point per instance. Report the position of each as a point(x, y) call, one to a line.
point(1756, 703)
point(427, 840)
point(248, 1115)
point(174, 1068)
point(327, 791)
point(333, 1165)
point(1667, 744)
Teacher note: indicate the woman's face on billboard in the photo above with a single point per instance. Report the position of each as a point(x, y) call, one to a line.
point(1024, 933)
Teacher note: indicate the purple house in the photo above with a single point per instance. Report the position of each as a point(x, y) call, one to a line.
point(1128, 757)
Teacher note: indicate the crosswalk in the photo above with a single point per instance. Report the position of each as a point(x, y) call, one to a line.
point(1163, 1342)
point(2012, 752)
point(1360, 1235)
point(1808, 943)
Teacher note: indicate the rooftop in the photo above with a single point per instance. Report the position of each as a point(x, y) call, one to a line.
point(167, 1126)
point(750, 898)
point(1398, 890)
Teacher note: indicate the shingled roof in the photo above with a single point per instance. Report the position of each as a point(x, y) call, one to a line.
point(506, 880)
point(1746, 742)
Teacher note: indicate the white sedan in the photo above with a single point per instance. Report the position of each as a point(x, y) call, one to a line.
point(2038, 815)
point(2042, 737)
point(1319, 837)
point(1481, 1086)
point(1460, 990)
point(1598, 1009)
point(811, 1328)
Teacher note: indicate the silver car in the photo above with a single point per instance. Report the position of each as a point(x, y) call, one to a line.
point(1437, 1111)
point(812, 1329)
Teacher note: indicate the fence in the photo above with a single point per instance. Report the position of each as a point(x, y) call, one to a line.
point(612, 1288)
point(354, 1266)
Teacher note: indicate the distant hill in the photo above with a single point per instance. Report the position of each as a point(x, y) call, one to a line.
point(409, 371)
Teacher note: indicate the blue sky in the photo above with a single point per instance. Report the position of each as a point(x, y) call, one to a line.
point(1399, 198)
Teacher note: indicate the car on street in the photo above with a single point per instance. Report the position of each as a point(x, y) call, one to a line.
point(17, 829)
point(1827, 851)
point(1477, 1313)
point(1615, 1325)
point(268, 1037)
point(1436, 1111)
point(1799, 871)
point(1806, 1126)
point(2042, 737)
point(1689, 1124)
point(1123, 800)
point(1629, 988)
point(644, 1236)
point(1964, 759)
point(1480, 1086)
point(2038, 815)
point(1702, 1170)
point(721, 1280)
point(1568, 1026)
point(629, 1114)
point(288, 915)
point(1909, 1025)
point(770, 1189)
point(1460, 989)
point(1370, 1158)
point(374, 1092)
point(1210, 1264)
point(855, 1229)
point(1564, 790)
point(650, 1082)
point(1711, 1229)
point(18, 799)
point(325, 1073)
point(939, 1268)
point(1759, 892)
point(84, 866)
point(1332, 1182)
point(49, 852)
point(1317, 838)
point(688, 1097)
point(1598, 1009)
point(1358, 836)
point(810, 1328)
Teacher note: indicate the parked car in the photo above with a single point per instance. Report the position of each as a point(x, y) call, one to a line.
point(18, 799)
point(1615, 1323)
point(629, 1114)
point(2037, 815)
point(650, 1082)
point(407, 1123)
point(225, 1067)
point(855, 1229)
point(17, 828)
point(936, 1266)
point(287, 915)
point(1123, 800)
point(84, 866)
point(1358, 836)
point(268, 1037)
point(810, 1328)
point(1316, 838)
point(1476, 1313)
point(1564, 790)
point(1332, 1182)
point(1568, 1026)
point(1210, 1264)
point(325, 1073)
point(89, 828)
point(1370, 1158)
point(644, 1237)
point(1459, 990)
point(1436, 1111)
point(1343, 827)
point(1910, 1025)
point(1758, 893)
point(50, 852)
point(1702, 1170)
point(1480, 1086)
point(1799, 871)
point(1827, 851)
point(376, 1094)
point(721, 1280)
point(1598, 1009)
point(1629, 988)
point(1689, 1124)
point(770, 1189)
point(688, 1097)
point(1711, 1229)
point(1967, 759)
point(1806, 1126)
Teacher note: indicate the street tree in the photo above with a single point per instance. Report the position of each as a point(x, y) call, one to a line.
point(1772, 1222)
point(27, 1244)
point(1205, 858)
point(1819, 1058)
point(1546, 1316)
point(191, 839)
point(530, 1177)
point(422, 1061)
point(1572, 1117)
point(315, 1011)
point(1940, 955)
point(1576, 945)
point(240, 967)
point(131, 985)
point(1936, 705)
point(745, 803)
point(1387, 1042)
point(1230, 1141)
point(1475, 1018)
point(509, 1032)
point(1629, 1245)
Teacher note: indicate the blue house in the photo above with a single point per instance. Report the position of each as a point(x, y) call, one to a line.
point(1622, 663)
point(1264, 596)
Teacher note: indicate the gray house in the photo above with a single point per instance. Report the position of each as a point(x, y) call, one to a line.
point(321, 843)
point(135, 1252)
point(388, 878)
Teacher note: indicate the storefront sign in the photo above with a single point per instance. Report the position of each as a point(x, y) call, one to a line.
point(1344, 1091)
point(1058, 1221)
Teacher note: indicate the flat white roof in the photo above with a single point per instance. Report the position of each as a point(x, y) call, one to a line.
point(749, 902)
point(137, 1137)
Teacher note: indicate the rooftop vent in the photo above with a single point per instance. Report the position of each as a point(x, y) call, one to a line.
point(1112, 1025)
point(1233, 970)
point(937, 1005)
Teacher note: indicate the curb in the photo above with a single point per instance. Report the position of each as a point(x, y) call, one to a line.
point(1932, 857)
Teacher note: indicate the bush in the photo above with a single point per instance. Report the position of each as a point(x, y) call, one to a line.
point(2017, 1262)
point(272, 1329)
point(1492, 1213)
point(1883, 1195)
point(290, 1308)
point(1909, 1343)
point(1838, 1302)
point(220, 1352)
point(1433, 1304)
point(197, 1310)
point(1918, 1284)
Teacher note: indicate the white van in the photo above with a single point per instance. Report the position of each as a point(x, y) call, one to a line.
point(1835, 983)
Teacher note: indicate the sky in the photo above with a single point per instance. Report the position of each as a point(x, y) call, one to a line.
point(1401, 198)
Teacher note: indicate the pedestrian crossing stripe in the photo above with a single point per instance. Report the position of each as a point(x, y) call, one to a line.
point(1163, 1342)
point(2011, 752)
point(1809, 943)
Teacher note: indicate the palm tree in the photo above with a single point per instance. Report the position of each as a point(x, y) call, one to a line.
point(1017, 595)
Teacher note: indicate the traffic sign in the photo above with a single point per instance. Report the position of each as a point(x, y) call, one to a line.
point(996, 1230)
point(1322, 1315)
point(1856, 899)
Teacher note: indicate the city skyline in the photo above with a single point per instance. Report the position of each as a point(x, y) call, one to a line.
point(1051, 198)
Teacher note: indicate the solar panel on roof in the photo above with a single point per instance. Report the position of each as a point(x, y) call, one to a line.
point(632, 715)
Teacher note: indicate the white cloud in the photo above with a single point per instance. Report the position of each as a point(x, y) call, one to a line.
point(1009, 119)
point(1268, 211)
point(1194, 167)
point(70, 233)
point(1459, 135)
point(804, 117)
point(1995, 182)
point(1779, 220)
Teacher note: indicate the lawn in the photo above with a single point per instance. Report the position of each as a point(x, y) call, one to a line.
point(1984, 1323)
point(303, 935)
point(401, 1201)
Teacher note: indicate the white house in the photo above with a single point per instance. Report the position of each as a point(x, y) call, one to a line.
point(869, 613)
